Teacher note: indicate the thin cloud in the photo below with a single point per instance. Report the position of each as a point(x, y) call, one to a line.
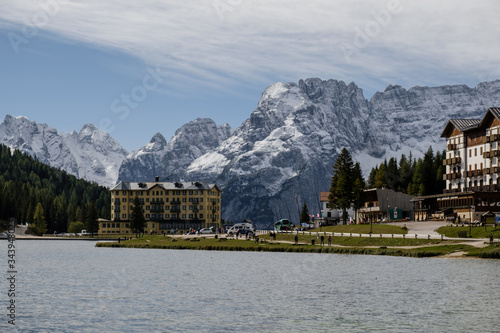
point(256, 42)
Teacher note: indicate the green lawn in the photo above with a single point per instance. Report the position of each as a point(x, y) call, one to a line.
point(477, 232)
point(355, 240)
point(489, 252)
point(364, 229)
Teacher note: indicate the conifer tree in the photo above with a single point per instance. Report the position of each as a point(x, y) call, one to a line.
point(91, 222)
point(358, 189)
point(380, 177)
point(304, 215)
point(39, 224)
point(341, 189)
point(137, 223)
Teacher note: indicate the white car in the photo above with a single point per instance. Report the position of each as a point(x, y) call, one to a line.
point(205, 231)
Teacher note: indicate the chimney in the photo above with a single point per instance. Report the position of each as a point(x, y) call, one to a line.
point(157, 179)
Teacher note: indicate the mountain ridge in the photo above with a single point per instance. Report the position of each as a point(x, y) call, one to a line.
point(282, 155)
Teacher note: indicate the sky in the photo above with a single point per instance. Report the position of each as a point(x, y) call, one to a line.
point(135, 68)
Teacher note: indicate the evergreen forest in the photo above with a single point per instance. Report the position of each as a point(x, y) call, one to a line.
point(29, 189)
point(423, 176)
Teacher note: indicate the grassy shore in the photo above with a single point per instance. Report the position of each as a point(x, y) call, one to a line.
point(355, 240)
point(477, 232)
point(373, 246)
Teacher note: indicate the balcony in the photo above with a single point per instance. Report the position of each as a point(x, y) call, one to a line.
point(157, 202)
point(175, 209)
point(452, 146)
point(175, 202)
point(117, 210)
point(157, 209)
point(454, 160)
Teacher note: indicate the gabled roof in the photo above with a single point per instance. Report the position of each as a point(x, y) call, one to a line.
point(491, 113)
point(465, 125)
point(462, 125)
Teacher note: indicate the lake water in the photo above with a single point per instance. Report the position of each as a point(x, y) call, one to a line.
point(71, 286)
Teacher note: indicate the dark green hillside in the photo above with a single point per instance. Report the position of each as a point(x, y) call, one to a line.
point(25, 182)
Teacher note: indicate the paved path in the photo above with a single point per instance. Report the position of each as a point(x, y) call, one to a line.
point(421, 228)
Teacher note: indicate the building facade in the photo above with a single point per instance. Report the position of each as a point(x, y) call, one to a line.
point(472, 170)
point(178, 206)
point(385, 204)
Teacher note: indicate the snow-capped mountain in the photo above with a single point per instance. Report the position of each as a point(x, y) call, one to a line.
point(283, 155)
point(170, 160)
point(91, 153)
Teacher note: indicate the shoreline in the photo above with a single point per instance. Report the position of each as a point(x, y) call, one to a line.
point(445, 249)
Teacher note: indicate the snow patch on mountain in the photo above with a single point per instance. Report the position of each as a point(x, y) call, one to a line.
point(91, 153)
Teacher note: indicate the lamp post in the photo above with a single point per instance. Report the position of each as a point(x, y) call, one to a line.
point(471, 209)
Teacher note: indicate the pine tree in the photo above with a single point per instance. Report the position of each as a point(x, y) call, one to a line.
point(39, 224)
point(371, 177)
point(380, 177)
point(137, 222)
point(341, 189)
point(405, 173)
point(392, 174)
point(304, 215)
point(358, 189)
point(91, 222)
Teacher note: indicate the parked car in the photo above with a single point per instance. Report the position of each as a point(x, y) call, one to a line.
point(4, 235)
point(245, 232)
point(240, 226)
point(205, 231)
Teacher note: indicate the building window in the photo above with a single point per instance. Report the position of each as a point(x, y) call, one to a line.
point(201, 216)
point(190, 216)
point(183, 207)
point(183, 216)
point(124, 200)
point(124, 192)
point(148, 216)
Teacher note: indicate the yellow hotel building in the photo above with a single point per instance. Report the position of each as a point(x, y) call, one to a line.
point(180, 206)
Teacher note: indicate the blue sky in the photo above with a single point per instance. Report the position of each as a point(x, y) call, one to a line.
point(136, 68)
